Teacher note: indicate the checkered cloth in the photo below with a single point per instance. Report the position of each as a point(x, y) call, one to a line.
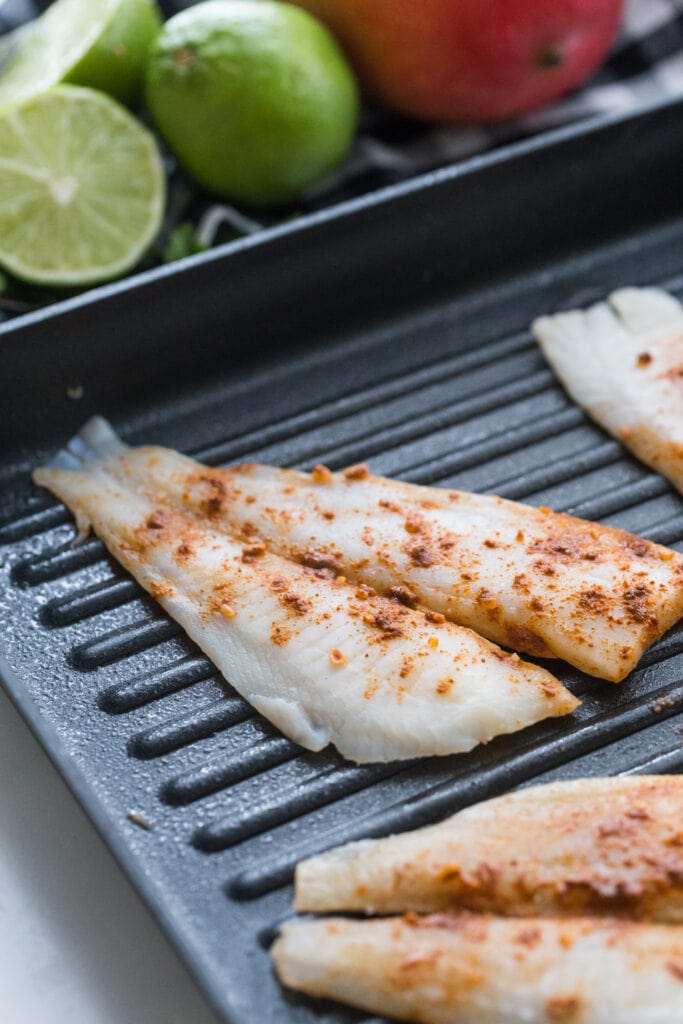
point(646, 64)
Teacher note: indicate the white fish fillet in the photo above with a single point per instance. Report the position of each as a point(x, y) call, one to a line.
point(593, 846)
point(539, 582)
point(484, 970)
point(622, 360)
point(323, 661)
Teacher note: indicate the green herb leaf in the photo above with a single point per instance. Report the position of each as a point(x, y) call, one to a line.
point(182, 242)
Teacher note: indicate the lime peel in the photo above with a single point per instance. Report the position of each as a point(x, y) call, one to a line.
point(82, 189)
point(98, 43)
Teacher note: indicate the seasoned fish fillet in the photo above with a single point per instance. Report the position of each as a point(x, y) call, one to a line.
point(541, 583)
point(325, 661)
point(594, 846)
point(622, 360)
point(463, 969)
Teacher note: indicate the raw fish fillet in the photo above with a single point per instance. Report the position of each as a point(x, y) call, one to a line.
point(622, 360)
point(594, 846)
point(464, 969)
point(542, 583)
point(325, 661)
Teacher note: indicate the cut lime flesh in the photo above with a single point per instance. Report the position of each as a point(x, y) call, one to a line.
point(82, 189)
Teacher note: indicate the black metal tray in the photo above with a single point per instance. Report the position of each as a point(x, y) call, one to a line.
point(392, 329)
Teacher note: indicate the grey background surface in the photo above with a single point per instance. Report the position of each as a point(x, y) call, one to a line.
point(77, 946)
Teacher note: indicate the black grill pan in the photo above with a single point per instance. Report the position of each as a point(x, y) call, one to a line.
point(393, 328)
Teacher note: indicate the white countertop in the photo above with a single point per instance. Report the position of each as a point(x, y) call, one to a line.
point(77, 946)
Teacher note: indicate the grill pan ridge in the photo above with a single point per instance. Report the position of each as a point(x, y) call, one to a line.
point(393, 331)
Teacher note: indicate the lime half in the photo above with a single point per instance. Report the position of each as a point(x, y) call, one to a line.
point(99, 43)
point(81, 188)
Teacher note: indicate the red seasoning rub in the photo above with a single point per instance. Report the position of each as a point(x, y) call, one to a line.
point(321, 474)
point(481, 969)
point(542, 582)
point(326, 660)
point(622, 360)
point(560, 902)
point(337, 657)
point(358, 472)
point(250, 552)
point(607, 846)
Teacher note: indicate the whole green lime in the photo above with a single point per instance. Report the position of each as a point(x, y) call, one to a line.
point(253, 96)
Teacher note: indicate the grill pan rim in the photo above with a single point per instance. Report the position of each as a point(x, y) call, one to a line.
point(20, 328)
point(473, 165)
